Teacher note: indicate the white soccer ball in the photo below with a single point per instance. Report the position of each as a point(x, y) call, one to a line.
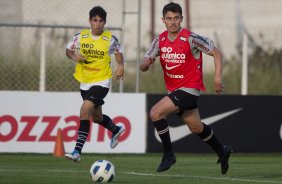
point(102, 171)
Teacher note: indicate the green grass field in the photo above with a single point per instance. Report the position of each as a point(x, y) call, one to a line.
point(141, 169)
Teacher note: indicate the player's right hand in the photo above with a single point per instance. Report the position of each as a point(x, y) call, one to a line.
point(150, 60)
point(78, 57)
point(146, 63)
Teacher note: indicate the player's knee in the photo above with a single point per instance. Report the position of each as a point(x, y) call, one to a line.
point(155, 114)
point(84, 114)
point(196, 129)
point(97, 118)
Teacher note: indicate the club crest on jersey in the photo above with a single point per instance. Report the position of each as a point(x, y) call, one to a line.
point(85, 35)
point(183, 38)
point(105, 38)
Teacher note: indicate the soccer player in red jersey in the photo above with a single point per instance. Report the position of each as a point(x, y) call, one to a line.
point(180, 52)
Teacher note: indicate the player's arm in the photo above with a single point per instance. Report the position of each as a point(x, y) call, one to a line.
point(218, 63)
point(71, 47)
point(147, 63)
point(150, 56)
point(118, 52)
point(71, 54)
point(119, 72)
point(206, 45)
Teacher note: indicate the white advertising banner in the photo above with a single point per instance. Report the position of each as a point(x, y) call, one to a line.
point(29, 122)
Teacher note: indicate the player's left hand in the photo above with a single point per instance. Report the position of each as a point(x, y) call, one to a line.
point(119, 73)
point(219, 87)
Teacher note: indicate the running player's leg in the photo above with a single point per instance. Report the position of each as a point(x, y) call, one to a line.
point(106, 122)
point(205, 132)
point(83, 130)
point(157, 114)
point(97, 95)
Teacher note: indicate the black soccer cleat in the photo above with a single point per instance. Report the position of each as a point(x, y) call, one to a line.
point(224, 159)
point(167, 162)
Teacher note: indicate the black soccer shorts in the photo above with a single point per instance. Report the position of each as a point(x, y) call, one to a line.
point(184, 100)
point(95, 94)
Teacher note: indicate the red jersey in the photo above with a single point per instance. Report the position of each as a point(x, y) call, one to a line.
point(180, 67)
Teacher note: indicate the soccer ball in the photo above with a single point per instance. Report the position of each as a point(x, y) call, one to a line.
point(102, 171)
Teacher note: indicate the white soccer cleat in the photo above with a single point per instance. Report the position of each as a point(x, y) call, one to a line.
point(74, 156)
point(114, 140)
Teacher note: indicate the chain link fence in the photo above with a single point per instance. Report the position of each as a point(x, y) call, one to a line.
point(34, 35)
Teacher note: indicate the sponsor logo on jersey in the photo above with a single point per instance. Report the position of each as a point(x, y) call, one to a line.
point(87, 46)
point(175, 76)
point(172, 57)
point(183, 38)
point(85, 35)
point(89, 51)
point(87, 62)
point(169, 56)
point(171, 67)
point(93, 52)
point(163, 39)
point(91, 69)
point(105, 38)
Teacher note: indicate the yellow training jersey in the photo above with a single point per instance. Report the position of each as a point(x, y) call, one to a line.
point(97, 64)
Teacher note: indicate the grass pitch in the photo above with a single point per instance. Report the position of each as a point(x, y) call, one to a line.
point(141, 169)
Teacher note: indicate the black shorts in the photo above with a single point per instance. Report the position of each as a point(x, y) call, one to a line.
point(184, 100)
point(95, 94)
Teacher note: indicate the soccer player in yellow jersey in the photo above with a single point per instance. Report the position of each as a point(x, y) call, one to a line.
point(91, 50)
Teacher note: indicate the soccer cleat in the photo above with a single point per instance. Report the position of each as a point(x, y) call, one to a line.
point(167, 162)
point(74, 156)
point(224, 159)
point(114, 140)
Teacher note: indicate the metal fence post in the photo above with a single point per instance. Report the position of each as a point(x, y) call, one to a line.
point(42, 77)
point(244, 82)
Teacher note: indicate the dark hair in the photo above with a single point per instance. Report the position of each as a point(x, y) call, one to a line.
point(98, 10)
point(173, 7)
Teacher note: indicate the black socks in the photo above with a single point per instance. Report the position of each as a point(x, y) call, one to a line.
point(108, 124)
point(207, 135)
point(82, 134)
point(163, 131)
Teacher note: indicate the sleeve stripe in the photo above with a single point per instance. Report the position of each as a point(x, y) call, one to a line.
point(115, 38)
point(76, 34)
point(201, 38)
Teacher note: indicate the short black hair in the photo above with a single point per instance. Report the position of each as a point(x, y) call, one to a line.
point(173, 7)
point(98, 10)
